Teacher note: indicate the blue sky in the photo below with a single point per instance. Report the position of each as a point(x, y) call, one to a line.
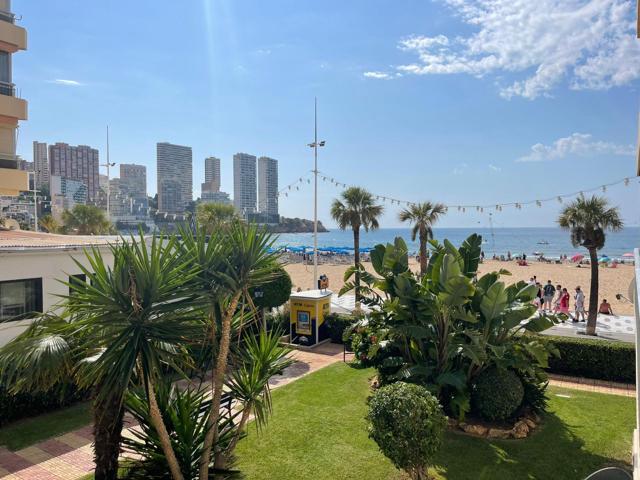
point(451, 100)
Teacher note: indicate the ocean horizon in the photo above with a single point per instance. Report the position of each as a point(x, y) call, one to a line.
point(551, 241)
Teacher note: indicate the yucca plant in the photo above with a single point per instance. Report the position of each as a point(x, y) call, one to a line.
point(119, 328)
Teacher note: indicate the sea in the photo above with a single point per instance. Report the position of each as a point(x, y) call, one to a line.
point(550, 241)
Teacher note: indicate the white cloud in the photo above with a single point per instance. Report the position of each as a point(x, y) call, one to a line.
point(494, 168)
point(589, 44)
point(378, 75)
point(576, 145)
point(460, 169)
point(66, 82)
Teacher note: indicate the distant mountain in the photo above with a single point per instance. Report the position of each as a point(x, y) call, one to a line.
point(296, 225)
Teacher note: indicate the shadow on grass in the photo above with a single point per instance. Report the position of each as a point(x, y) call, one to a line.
point(553, 452)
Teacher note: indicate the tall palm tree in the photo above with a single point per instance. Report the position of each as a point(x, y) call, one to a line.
point(356, 209)
point(230, 263)
point(423, 216)
point(212, 216)
point(86, 220)
point(120, 328)
point(588, 219)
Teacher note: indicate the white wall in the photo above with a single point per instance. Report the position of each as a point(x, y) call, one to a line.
point(51, 266)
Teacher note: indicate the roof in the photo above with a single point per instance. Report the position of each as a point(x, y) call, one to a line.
point(24, 240)
point(311, 294)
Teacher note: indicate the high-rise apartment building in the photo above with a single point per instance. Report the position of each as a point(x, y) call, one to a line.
point(175, 180)
point(41, 164)
point(80, 163)
point(133, 180)
point(65, 194)
point(244, 183)
point(12, 109)
point(212, 173)
point(268, 188)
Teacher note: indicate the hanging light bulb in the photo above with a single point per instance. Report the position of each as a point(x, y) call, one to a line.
point(604, 189)
point(538, 203)
point(559, 199)
point(464, 209)
point(308, 180)
point(626, 182)
point(481, 210)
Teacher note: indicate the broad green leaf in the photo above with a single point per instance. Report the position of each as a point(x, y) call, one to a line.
point(515, 315)
point(540, 324)
point(456, 379)
point(456, 291)
point(470, 252)
point(494, 301)
point(464, 315)
point(449, 269)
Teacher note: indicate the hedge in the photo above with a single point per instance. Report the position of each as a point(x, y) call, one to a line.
point(14, 407)
point(592, 358)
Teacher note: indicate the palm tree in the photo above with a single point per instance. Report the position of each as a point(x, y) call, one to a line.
point(212, 216)
point(119, 329)
point(86, 220)
point(356, 210)
point(230, 263)
point(588, 219)
point(49, 223)
point(423, 216)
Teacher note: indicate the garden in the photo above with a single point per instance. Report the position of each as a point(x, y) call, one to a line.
point(448, 377)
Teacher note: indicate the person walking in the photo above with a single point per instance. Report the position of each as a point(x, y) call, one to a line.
point(539, 298)
point(548, 292)
point(564, 303)
point(578, 298)
point(556, 304)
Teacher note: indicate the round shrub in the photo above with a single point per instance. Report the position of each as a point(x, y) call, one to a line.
point(497, 393)
point(275, 292)
point(407, 423)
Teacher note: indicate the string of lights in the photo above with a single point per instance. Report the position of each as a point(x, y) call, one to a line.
point(498, 207)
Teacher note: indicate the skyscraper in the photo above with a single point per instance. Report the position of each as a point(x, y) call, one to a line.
point(212, 173)
point(244, 183)
point(133, 180)
point(175, 181)
point(268, 188)
point(80, 163)
point(41, 163)
point(12, 109)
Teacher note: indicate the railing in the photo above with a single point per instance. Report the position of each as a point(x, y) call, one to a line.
point(7, 89)
point(7, 16)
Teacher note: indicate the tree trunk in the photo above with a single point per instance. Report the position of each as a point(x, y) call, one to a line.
point(221, 463)
point(158, 423)
point(593, 293)
point(423, 252)
point(356, 261)
point(218, 381)
point(107, 431)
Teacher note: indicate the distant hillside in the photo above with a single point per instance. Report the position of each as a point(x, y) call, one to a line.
point(296, 225)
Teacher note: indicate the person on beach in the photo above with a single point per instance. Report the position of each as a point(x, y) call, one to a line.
point(509, 255)
point(605, 308)
point(578, 298)
point(548, 292)
point(556, 304)
point(564, 302)
point(539, 298)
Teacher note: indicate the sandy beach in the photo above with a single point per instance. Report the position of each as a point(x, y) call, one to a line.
point(612, 281)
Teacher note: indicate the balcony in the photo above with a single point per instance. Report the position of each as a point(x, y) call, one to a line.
point(11, 106)
point(12, 37)
point(12, 181)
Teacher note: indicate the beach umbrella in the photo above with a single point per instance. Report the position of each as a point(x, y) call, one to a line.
point(577, 258)
point(603, 259)
point(628, 255)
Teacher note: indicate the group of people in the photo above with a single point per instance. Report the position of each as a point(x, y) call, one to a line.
point(556, 299)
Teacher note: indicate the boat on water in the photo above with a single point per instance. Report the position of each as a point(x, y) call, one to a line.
point(543, 242)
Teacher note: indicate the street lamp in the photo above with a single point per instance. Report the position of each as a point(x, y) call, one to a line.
point(108, 165)
point(315, 146)
point(35, 201)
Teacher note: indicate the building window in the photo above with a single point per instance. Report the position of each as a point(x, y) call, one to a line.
point(77, 279)
point(19, 298)
point(5, 72)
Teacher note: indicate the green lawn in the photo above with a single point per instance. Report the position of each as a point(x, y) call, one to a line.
point(24, 433)
point(318, 432)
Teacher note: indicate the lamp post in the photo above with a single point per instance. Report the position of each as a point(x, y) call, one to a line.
point(35, 202)
point(108, 165)
point(315, 146)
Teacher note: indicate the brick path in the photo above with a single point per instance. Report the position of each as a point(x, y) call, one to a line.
point(70, 456)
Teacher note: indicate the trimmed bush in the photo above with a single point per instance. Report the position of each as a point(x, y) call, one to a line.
point(497, 393)
point(337, 324)
point(275, 292)
point(407, 423)
point(593, 358)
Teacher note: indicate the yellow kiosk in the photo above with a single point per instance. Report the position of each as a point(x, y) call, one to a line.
point(308, 310)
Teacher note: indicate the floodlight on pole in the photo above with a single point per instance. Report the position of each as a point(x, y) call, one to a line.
point(315, 146)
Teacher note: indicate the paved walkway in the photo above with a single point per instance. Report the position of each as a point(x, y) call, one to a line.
point(70, 456)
